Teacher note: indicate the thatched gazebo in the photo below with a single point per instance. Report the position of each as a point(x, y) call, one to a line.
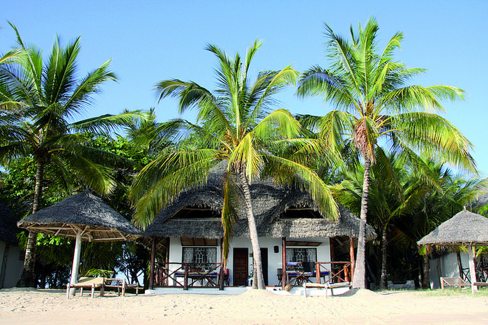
point(82, 216)
point(465, 228)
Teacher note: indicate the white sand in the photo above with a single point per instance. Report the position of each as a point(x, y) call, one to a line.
point(252, 307)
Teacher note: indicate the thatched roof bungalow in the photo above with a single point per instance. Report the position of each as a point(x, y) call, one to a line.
point(290, 228)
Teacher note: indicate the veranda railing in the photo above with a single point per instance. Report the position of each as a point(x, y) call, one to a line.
point(190, 275)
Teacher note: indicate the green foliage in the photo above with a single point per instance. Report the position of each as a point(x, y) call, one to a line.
point(45, 96)
point(99, 273)
point(375, 103)
point(237, 128)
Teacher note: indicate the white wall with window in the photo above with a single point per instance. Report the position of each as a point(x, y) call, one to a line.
point(179, 253)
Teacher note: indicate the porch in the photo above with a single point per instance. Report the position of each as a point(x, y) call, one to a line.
point(301, 261)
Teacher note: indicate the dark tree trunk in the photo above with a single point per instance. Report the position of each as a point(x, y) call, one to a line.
point(28, 277)
point(460, 264)
point(425, 272)
point(359, 280)
point(253, 234)
point(384, 255)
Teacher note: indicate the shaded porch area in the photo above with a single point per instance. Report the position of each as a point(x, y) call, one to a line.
point(299, 260)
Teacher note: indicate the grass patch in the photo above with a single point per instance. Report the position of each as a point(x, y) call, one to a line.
point(448, 292)
point(482, 292)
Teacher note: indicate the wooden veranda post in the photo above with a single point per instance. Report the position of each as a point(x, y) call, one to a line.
point(153, 256)
point(351, 257)
point(222, 265)
point(472, 268)
point(283, 263)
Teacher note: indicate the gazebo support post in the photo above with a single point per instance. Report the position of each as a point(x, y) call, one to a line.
point(76, 262)
point(472, 269)
point(283, 263)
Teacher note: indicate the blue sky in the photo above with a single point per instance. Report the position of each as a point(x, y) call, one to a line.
point(149, 41)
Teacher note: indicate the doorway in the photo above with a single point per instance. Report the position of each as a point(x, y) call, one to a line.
point(264, 261)
point(240, 266)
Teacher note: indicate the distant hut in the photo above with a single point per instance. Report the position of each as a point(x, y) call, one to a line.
point(84, 216)
point(463, 229)
point(10, 263)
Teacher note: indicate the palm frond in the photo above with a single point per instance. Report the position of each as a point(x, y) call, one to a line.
point(308, 180)
point(105, 124)
point(86, 88)
point(435, 136)
point(172, 172)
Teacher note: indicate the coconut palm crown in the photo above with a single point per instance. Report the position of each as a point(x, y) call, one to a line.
point(234, 127)
point(38, 101)
point(374, 104)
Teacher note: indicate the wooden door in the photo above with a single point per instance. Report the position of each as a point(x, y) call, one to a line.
point(240, 269)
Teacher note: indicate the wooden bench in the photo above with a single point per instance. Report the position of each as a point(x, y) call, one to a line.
point(325, 286)
point(481, 284)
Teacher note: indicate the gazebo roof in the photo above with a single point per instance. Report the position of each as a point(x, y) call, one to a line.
point(86, 212)
point(464, 228)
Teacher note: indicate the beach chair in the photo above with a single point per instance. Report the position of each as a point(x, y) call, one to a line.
point(86, 283)
point(115, 283)
point(453, 282)
point(134, 286)
point(327, 286)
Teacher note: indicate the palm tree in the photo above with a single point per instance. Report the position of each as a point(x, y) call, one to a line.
point(236, 129)
point(375, 105)
point(38, 100)
point(395, 190)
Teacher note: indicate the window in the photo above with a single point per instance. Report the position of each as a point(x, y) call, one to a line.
point(297, 213)
point(200, 255)
point(194, 212)
point(301, 254)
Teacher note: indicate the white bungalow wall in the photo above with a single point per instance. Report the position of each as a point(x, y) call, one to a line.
point(11, 264)
point(274, 259)
point(445, 266)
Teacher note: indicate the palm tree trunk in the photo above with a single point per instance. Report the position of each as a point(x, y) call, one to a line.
point(384, 248)
point(359, 280)
point(28, 277)
point(426, 272)
point(253, 234)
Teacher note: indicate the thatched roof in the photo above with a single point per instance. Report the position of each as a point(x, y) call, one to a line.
point(463, 229)
point(83, 211)
point(269, 202)
point(8, 225)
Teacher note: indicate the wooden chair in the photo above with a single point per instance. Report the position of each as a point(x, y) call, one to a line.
point(115, 283)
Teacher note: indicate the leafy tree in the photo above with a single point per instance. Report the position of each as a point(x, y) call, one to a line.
point(39, 100)
point(236, 129)
point(375, 105)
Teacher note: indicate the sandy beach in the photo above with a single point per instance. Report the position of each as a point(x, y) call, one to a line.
point(364, 307)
